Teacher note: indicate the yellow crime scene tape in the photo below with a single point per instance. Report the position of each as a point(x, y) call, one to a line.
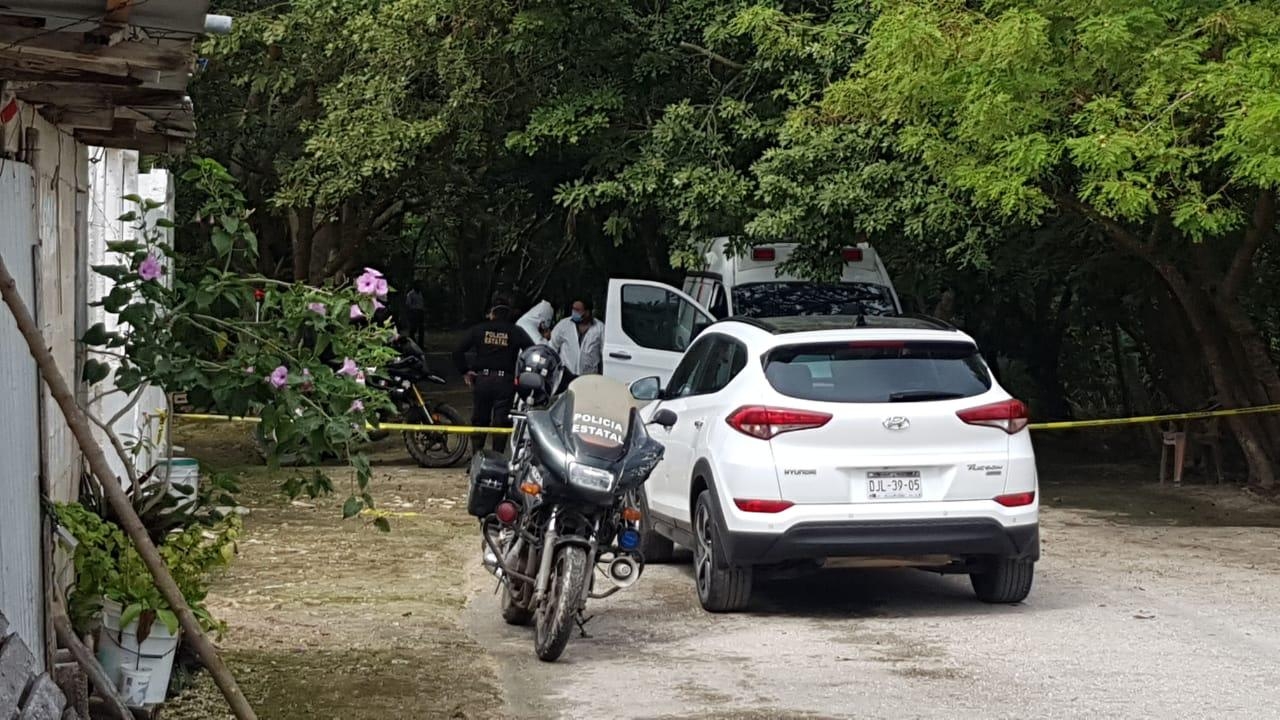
point(1148, 419)
point(402, 427)
point(1062, 425)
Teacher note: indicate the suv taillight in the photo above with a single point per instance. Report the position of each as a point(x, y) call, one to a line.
point(1009, 415)
point(767, 422)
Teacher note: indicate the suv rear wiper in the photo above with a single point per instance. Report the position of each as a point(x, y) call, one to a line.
point(923, 395)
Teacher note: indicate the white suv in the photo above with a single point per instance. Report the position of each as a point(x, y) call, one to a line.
point(884, 441)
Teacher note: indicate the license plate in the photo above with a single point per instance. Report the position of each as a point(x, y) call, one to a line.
point(894, 485)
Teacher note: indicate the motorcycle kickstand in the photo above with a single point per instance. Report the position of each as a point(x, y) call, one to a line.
point(582, 624)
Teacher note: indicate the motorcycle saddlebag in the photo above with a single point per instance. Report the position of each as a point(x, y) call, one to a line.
point(488, 482)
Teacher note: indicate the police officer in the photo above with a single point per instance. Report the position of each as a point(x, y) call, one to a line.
point(495, 343)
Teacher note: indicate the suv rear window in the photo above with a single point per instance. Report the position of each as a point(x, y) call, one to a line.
point(877, 371)
point(784, 299)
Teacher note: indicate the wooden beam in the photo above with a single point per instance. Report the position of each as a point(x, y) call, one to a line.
point(167, 55)
point(76, 94)
point(33, 69)
point(153, 144)
point(80, 118)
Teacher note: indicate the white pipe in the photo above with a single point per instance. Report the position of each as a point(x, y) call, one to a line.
point(217, 24)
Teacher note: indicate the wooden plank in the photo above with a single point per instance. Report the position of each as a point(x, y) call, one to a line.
point(142, 142)
point(34, 69)
point(169, 55)
point(89, 95)
point(17, 667)
point(45, 700)
point(86, 118)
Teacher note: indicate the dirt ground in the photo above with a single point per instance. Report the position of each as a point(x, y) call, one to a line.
point(335, 619)
point(1149, 602)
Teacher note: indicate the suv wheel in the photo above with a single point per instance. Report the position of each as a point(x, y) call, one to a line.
point(719, 589)
point(1004, 580)
point(654, 547)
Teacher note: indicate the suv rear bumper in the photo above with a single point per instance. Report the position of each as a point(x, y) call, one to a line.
point(959, 537)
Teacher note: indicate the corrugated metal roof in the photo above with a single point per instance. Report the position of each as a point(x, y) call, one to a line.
point(184, 16)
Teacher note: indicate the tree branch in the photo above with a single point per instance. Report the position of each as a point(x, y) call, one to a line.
point(1117, 232)
point(1263, 228)
point(717, 57)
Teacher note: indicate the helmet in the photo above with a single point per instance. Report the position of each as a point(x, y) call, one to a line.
point(539, 359)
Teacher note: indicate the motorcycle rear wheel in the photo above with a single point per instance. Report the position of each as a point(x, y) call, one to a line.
point(434, 449)
point(556, 615)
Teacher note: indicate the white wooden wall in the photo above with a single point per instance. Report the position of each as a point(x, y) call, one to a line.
point(112, 175)
point(21, 587)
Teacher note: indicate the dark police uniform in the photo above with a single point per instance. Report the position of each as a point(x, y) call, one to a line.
point(496, 345)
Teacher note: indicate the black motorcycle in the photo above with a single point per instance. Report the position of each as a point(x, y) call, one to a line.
point(565, 504)
point(402, 384)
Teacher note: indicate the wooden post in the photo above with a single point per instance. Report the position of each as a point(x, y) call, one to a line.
point(132, 525)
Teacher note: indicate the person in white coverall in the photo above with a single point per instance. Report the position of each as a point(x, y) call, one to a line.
point(579, 340)
point(537, 323)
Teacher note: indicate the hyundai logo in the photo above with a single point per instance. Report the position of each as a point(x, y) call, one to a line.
point(896, 423)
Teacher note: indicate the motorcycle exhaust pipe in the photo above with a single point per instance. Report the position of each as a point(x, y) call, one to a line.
point(624, 572)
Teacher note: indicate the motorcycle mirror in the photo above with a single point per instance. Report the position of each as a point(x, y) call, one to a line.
point(530, 381)
point(664, 417)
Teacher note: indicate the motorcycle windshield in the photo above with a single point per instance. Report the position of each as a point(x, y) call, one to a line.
point(598, 418)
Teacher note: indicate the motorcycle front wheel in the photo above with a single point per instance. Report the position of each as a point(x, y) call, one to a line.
point(437, 449)
point(555, 616)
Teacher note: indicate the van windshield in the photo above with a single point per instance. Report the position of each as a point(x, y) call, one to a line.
point(785, 299)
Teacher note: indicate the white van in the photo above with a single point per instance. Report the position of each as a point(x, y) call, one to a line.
point(753, 285)
point(649, 324)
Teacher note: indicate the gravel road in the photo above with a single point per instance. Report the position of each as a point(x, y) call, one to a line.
point(1124, 622)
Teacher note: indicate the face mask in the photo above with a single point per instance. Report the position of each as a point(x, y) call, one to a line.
point(576, 316)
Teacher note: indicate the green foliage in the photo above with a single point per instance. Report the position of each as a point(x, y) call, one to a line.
point(295, 358)
point(108, 567)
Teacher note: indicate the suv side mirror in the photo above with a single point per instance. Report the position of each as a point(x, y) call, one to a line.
point(665, 417)
point(647, 389)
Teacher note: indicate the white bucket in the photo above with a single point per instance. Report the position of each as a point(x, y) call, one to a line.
point(119, 649)
point(183, 476)
point(134, 685)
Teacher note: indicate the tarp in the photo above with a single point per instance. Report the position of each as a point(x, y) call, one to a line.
point(541, 315)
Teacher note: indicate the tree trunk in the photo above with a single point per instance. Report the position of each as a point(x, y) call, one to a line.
point(119, 501)
point(1218, 361)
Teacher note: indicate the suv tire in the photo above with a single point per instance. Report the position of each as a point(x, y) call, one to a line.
point(719, 589)
point(1004, 580)
point(655, 548)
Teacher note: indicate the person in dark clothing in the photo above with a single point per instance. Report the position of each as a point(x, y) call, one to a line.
point(495, 344)
point(415, 315)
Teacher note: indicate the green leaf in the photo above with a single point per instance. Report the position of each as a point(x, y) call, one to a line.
point(95, 372)
point(128, 217)
point(115, 272)
point(164, 223)
point(133, 198)
point(168, 617)
point(117, 299)
point(126, 247)
point(130, 614)
point(351, 507)
point(96, 335)
point(150, 204)
point(222, 242)
point(382, 524)
point(368, 500)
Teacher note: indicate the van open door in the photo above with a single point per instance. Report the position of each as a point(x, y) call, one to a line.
point(647, 327)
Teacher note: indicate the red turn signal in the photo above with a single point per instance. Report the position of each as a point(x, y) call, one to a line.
point(762, 506)
point(1017, 499)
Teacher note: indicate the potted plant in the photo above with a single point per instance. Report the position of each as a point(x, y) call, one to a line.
point(115, 598)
